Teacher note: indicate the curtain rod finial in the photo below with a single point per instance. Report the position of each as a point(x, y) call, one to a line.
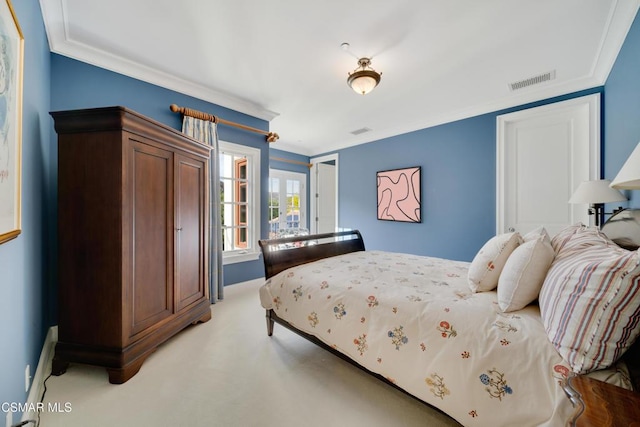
point(174, 108)
point(272, 137)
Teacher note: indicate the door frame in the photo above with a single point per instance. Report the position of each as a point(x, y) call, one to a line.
point(592, 101)
point(313, 188)
point(299, 176)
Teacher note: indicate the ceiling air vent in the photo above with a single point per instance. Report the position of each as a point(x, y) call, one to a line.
point(360, 131)
point(545, 77)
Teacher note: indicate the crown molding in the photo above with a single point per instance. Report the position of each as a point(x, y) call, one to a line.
point(619, 22)
point(53, 12)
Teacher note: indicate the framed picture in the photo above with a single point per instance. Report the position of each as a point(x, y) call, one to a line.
point(399, 195)
point(11, 63)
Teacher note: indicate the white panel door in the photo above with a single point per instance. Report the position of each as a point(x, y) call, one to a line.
point(543, 154)
point(326, 198)
point(324, 193)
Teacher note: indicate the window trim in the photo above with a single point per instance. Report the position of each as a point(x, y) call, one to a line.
point(253, 177)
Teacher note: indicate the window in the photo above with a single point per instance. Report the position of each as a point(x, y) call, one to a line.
point(240, 238)
point(240, 201)
point(287, 201)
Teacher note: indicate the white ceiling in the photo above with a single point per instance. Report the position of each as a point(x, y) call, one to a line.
point(281, 60)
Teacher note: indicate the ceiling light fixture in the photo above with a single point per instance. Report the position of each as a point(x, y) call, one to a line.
point(364, 78)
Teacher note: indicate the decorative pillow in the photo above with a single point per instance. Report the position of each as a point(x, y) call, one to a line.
point(583, 238)
point(524, 273)
point(590, 300)
point(564, 235)
point(535, 234)
point(486, 266)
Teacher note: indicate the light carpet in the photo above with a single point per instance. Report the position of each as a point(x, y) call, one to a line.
point(228, 372)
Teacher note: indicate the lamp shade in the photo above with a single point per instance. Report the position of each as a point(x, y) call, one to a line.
point(596, 192)
point(629, 176)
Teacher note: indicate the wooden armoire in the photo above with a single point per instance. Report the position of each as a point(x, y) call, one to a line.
point(132, 237)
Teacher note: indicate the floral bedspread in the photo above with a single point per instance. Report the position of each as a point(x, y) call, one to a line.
point(415, 321)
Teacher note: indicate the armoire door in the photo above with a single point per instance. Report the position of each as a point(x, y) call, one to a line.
point(151, 218)
point(190, 222)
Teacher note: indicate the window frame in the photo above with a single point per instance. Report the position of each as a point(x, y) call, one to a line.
point(253, 156)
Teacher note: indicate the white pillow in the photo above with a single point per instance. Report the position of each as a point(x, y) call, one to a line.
point(523, 273)
point(590, 300)
point(537, 233)
point(486, 266)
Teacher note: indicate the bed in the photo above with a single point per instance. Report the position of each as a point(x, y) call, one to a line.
point(438, 330)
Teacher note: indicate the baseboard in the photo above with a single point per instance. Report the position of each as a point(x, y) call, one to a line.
point(42, 371)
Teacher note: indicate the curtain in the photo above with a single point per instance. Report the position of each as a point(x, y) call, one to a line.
point(206, 132)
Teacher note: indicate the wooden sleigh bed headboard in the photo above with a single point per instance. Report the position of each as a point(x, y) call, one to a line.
point(281, 254)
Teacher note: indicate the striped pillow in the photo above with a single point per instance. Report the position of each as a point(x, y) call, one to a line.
point(582, 238)
point(565, 235)
point(590, 300)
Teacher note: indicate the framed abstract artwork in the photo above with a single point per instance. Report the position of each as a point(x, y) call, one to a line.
point(399, 195)
point(11, 63)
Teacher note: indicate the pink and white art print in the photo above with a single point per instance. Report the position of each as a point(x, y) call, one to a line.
point(399, 195)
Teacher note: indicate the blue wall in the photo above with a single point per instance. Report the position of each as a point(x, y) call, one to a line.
point(458, 188)
point(24, 298)
point(458, 163)
point(75, 85)
point(622, 108)
point(275, 163)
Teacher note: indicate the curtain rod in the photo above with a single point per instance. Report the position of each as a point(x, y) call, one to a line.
point(295, 162)
point(271, 136)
